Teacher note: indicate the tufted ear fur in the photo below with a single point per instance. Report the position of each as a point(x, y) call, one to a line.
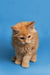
point(31, 25)
point(15, 29)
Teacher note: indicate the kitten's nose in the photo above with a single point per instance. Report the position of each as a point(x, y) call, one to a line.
point(26, 43)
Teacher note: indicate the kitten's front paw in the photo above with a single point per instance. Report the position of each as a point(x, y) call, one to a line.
point(17, 61)
point(33, 59)
point(25, 64)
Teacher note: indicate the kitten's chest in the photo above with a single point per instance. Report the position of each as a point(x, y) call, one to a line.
point(24, 49)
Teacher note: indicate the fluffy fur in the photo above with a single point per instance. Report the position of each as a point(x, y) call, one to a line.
point(25, 42)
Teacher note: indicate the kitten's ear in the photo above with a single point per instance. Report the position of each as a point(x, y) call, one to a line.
point(31, 25)
point(15, 29)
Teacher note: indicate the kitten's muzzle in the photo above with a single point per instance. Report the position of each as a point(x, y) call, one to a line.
point(26, 43)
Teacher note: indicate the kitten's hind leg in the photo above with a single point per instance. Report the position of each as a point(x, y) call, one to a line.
point(14, 58)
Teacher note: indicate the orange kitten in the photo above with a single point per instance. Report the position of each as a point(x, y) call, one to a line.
point(25, 42)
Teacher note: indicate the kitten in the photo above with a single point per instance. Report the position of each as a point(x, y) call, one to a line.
point(25, 42)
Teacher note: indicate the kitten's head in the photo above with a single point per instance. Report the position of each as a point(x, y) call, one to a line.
point(23, 32)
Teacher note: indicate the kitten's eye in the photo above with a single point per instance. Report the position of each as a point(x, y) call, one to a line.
point(22, 38)
point(29, 36)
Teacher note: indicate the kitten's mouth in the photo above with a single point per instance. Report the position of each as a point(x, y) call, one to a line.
point(25, 43)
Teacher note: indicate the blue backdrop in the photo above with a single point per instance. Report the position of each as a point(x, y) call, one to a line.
point(13, 11)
